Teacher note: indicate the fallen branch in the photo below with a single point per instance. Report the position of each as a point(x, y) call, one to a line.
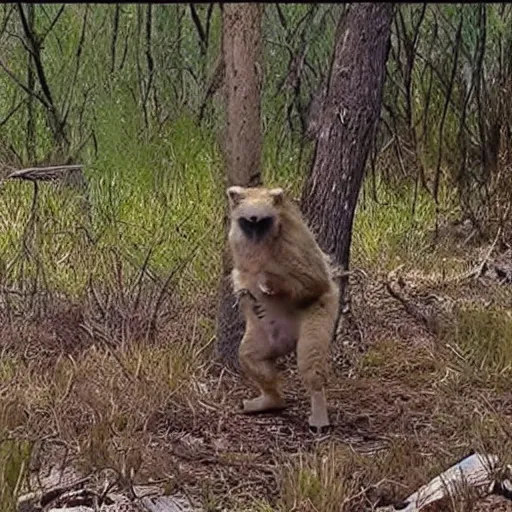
point(436, 318)
point(36, 500)
point(51, 173)
point(410, 308)
point(480, 269)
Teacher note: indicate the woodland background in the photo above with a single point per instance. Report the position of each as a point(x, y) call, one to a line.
point(109, 272)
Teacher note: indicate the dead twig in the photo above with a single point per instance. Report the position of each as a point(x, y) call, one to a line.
point(410, 308)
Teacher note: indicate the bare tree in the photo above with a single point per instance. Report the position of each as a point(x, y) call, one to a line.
point(348, 123)
point(40, 91)
point(241, 48)
point(34, 43)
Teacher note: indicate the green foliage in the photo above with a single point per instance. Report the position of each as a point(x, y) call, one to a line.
point(155, 176)
point(394, 228)
point(483, 337)
point(160, 196)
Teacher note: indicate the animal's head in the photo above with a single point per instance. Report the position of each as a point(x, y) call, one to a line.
point(255, 212)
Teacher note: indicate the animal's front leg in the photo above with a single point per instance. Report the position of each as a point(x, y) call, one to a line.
point(241, 295)
point(249, 304)
point(244, 298)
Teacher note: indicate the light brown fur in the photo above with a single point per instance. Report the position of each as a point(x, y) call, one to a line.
point(287, 295)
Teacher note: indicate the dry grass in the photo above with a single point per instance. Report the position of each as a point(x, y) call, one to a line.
point(410, 406)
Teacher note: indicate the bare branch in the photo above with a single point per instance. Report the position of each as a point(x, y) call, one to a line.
point(125, 51)
point(435, 188)
point(35, 45)
point(215, 84)
point(281, 17)
point(12, 112)
point(149, 56)
point(53, 23)
point(208, 22)
point(15, 79)
point(5, 20)
point(53, 113)
point(43, 173)
point(203, 42)
point(31, 83)
point(309, 15)
point(78, 54)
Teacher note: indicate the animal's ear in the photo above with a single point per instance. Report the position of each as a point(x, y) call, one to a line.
point(235, 195)
point(277, 194)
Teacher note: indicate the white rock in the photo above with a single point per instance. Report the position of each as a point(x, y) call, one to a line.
point(473, 471)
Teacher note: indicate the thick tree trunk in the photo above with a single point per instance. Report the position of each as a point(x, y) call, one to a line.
point(347, 127)
point(241, 47)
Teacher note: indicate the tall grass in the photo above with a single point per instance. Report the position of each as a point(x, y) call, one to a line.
point(396, 226)
point(14, 463)
point(155, 182)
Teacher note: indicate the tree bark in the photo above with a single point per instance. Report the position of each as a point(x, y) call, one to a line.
point(241, 47)
point(347, 128)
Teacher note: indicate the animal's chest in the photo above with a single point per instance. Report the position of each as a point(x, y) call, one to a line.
point(248, 258)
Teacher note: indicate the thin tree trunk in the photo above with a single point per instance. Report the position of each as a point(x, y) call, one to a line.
point(115, 34)
point(31, 82)
point(35, 47)
point(241, 47)
point(348, 124)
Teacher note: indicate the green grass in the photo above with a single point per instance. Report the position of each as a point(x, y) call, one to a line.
point(387, 233)
point(14, 462)
point(482, 339)
point(165, 198)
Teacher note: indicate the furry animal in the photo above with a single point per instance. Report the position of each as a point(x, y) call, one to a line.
point(287, 295)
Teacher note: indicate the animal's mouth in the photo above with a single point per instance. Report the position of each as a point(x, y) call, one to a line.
point(255, 228)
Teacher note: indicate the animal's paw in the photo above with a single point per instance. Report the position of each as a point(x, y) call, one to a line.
point(241, 294)
point(266, 289)
point(319, 423)
point(263, 403)
point(259, 310)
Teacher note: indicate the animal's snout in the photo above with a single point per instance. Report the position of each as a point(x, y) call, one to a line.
point(255, 227)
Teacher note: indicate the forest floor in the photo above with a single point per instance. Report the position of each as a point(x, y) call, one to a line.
point(421, 378)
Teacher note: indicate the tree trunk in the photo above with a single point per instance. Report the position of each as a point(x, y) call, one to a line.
point(241, 47)
point(348, 124)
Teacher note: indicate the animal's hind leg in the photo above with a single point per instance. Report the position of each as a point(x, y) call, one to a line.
point(316, 331)
point(261, 369)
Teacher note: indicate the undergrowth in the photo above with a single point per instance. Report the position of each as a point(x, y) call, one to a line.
point(107, 298)
point(85, 284)
point(108, 310)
